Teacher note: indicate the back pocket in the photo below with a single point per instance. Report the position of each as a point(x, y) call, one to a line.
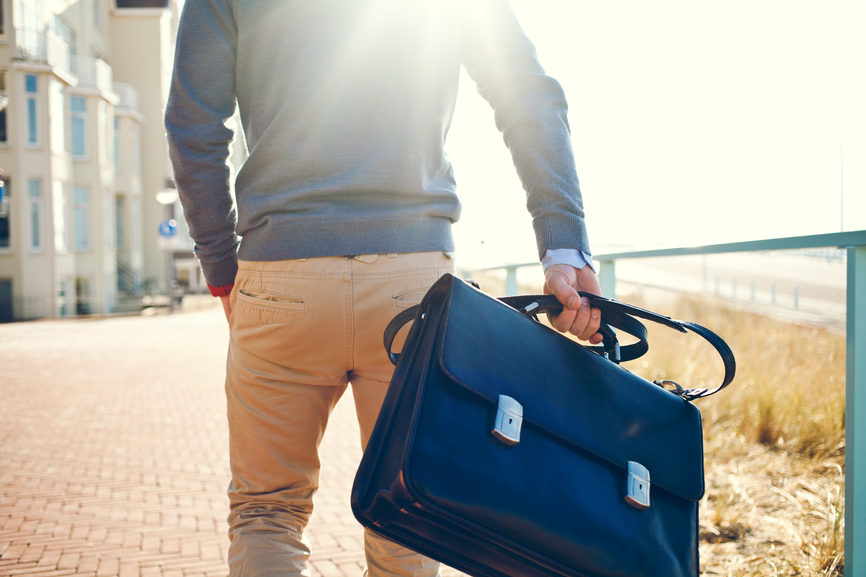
point(268, 308)
point(409, 298)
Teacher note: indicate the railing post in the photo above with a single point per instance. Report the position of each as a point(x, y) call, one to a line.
point(607, 278)
point(511, 281)
point(855, 416)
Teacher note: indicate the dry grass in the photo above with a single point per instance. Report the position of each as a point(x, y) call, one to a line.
point(774, 439)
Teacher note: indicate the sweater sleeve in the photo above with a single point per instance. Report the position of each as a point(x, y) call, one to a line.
point(201, 101)
point(531, 113)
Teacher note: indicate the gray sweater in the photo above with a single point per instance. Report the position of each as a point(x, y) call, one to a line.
point(345, 107)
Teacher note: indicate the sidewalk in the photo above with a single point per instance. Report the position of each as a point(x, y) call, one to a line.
point(114, 452)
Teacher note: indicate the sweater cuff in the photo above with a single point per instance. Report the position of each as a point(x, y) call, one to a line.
point(220, 291)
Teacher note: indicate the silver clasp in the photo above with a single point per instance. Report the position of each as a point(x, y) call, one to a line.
point(637, 493)
point(509, 419)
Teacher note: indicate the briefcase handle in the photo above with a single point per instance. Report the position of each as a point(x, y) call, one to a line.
point(614, 314)
point(621, 316)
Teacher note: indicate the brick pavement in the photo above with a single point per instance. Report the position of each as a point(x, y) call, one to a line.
point(114, 452)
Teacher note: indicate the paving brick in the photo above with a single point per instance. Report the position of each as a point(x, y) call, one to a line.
point(170, 546)
point(190, 548)
point(87, 564)
point(49, 558)
point(68, 560)
point(107, 567)
point(209, 551)
point(128, 570)
point(29, 526)
point(14, 551)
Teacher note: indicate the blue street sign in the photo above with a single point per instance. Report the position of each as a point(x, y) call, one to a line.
point(168, 228)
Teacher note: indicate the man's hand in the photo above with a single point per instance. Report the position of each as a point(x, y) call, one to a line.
point(227, 306)
point(563, 281)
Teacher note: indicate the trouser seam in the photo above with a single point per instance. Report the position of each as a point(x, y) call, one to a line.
point(350, 318)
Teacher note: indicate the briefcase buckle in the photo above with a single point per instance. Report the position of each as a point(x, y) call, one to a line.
point(638, 487)
point(509, 419)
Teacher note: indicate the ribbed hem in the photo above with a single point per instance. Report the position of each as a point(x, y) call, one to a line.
point(561, 231)
point(315, 239)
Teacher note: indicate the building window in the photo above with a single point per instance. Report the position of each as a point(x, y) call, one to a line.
point(2, 28)
point(81, 224)
point(78, 108)
point(31, 87)
point(4, 213)
point(4, 136)
point(119, 222)
point(34, 194)
point(61, 240)
point(116, 144)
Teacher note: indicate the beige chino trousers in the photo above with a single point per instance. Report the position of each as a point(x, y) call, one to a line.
point(301, 331)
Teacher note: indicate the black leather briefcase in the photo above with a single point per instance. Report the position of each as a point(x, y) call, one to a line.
point(505, 448)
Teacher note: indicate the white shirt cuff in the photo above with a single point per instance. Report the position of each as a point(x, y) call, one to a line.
point(570, 256)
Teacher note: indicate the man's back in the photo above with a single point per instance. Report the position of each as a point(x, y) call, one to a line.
point(345, 108)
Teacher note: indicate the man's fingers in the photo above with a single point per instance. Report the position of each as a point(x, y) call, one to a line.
point(581, 319)
point(564, 320)
point(592, 326)
point(227, 307)
point(558, 286)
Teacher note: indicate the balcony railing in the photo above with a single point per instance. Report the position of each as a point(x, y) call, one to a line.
point(93, 72)
point(42, 46)
point(128, 95)
point(45, 46)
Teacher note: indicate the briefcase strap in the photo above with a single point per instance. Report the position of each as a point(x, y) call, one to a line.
point(614, 314)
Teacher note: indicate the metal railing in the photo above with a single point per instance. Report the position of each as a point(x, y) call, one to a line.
point(854, 244)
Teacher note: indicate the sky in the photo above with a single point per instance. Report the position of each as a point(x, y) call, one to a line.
point(693, 122)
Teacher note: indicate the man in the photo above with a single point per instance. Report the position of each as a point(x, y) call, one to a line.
point(345, 206)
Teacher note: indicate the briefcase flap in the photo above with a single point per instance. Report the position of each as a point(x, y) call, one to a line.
point(585, 400)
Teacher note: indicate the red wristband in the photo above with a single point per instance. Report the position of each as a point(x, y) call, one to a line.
point(220, 291)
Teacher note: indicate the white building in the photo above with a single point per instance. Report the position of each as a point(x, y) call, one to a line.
point(84, 155)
